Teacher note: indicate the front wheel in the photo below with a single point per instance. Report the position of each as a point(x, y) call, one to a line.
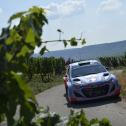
point(117, 93)
point(66, 88)
point(67, 95)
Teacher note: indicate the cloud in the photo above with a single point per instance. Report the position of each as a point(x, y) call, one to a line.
point(109, 5)
point(66, 8)
point(1, 10)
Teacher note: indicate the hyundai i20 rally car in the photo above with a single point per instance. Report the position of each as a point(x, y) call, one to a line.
point(88, 80)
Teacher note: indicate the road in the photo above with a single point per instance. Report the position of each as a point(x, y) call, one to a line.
point(114, 109)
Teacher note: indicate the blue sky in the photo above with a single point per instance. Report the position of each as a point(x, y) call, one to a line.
point(100, 21)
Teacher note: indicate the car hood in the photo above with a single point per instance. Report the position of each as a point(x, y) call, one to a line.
point(93, 78)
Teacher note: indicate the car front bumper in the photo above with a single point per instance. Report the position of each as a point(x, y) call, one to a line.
point(77, 95)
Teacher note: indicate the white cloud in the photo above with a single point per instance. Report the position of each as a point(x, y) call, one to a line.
point(0, 10)
point(66, 8)
point(110, 5)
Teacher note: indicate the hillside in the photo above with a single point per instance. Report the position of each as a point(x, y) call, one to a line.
point(92, 51)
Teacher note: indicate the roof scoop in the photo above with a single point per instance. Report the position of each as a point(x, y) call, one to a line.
point(105, 74)
point(76, 79)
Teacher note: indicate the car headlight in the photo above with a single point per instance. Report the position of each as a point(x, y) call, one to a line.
point(77, 84)
point(115, 81)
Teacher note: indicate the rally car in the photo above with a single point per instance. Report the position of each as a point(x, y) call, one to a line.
point(88, 80)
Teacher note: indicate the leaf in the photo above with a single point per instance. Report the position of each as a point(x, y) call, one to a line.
point(2, 117)
point(30, 38)
point(23, 51)
point(83, 41)
point(15, 16)
point(9, 41)
point(40, 12)
point(36, 9)
point(43, 50)
point(25, 98)
point(14, 37)
point(105, 122)
point(27, 93)
point(65, 43)
point(94, 121)
point(8, 56)
point(11, 109)
point(73, 41)
point(27, 111)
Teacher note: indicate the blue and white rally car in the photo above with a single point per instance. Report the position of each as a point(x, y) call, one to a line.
point(87, 80)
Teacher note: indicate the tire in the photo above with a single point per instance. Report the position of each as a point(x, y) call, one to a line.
point(66, 91)
point(117, 96)
point(69, 101)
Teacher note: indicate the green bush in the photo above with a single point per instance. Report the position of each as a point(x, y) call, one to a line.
point(46, 118)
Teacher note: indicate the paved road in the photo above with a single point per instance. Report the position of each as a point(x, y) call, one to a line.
point(114, 109)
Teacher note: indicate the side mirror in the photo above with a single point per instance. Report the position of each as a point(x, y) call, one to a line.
point(107, 68)
point(65, 77)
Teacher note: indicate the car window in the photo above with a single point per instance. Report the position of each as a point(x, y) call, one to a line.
point(87, 70)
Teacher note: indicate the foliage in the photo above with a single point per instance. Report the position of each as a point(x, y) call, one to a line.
point(75, 119)
point(78, 118)
point(113, 62)
point(16, 43)
point(47, 68)
point(121, 75)
point(45, 118)
point(105, 122)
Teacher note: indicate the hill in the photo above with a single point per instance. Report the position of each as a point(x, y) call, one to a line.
point(91, 52)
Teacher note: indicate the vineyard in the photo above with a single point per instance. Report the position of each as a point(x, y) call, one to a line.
point(46, 68)
point(44, 73)
point(114, 62)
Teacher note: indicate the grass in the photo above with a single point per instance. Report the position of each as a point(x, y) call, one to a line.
point(121, 75)
point(122, 80)
point(37, 85)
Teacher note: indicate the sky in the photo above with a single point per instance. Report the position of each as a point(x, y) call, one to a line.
point(100, 21)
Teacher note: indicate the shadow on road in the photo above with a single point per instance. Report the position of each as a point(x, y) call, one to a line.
point(94, 103)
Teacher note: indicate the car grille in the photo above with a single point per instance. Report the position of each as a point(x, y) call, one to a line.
point(77, 94)
point(113, 88)
point(95, 90)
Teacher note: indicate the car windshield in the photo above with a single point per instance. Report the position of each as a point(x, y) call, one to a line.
point(87, 70)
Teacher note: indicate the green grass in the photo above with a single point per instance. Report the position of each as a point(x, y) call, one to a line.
point(37, 85)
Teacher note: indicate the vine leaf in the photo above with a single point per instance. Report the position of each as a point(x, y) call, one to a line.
point(30, 38)
point(24, 50)
point(8, 56)
point(27, 93)
point(73, 41)
point(83, 41)
point(43, 50)
point(14, 37)
point(65, 43)
point(15, 16)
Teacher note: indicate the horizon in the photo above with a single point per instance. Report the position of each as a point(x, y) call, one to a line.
point(114, 42)
point(89, 52)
